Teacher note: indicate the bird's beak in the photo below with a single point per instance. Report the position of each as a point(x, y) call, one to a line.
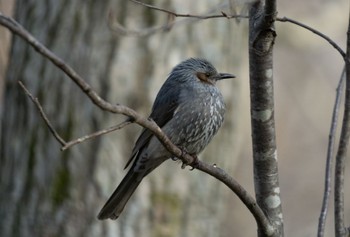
point(222, 76)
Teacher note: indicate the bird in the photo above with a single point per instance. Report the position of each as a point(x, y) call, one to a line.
point(189, 109)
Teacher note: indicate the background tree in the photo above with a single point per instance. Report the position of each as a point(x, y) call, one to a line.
point(46, 192)
point(95, 177)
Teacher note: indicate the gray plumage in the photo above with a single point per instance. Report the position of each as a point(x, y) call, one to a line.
point(190, 109)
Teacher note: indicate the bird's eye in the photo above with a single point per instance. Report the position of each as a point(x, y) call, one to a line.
point(207, 74)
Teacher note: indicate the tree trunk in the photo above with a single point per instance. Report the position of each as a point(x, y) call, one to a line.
point(266, 176)
point(46, 192)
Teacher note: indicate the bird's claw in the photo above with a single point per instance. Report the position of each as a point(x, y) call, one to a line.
point(193, 164)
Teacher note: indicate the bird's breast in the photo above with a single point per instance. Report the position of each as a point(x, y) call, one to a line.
point(197, 121)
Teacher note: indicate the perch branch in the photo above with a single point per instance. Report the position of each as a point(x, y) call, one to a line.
point(329, 159)
point(219, 174)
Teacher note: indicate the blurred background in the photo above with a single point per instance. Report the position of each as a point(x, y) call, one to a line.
point(113, 44)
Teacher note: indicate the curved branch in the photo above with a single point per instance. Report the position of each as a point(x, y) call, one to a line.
point(329, 40)
point(330, 150)
point(214, 171)
point(245, 197)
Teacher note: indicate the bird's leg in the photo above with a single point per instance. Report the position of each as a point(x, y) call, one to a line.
point(183, 152)
point(193, 164)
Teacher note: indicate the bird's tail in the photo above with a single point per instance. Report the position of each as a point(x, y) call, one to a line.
point(116, 203)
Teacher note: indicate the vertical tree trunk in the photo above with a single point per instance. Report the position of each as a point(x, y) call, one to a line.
point(45, 192)
point(266, 181)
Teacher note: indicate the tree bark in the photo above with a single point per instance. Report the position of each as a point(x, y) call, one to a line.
point(266, 182)
point(45, 192)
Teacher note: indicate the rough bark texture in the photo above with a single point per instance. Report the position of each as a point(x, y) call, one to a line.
point(261, 40)
point(45, 192)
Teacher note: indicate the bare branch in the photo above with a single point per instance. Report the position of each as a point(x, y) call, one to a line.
point(245, 197)
point(43, 115)
point(66, 145)
point(117, 28)
point(257, 212)
point(329, 40)
point(271, 8)
point(203, 17)
point(96, 134)
point(339, 225)
point(330, 150)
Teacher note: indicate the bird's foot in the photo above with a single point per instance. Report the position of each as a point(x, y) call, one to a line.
point(193, 164)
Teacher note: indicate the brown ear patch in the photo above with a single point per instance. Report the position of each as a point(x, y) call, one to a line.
point(204, 78)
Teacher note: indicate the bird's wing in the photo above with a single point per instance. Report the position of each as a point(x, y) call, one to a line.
point(163, 110)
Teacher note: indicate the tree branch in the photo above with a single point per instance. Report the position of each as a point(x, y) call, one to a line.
point(329, 159)
point(117, 28)
point(97, 134)
point(66, 145)
point(329, 40)
point(203, 17)
point(340, 230)
point(216, 172)
point(43, 115)
point(270, 13)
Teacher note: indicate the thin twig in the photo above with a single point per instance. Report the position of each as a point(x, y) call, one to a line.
point(260, 217)
point(119, 29)
point(225, 15)
point(43, 115)
point(329, 160)
point(116, 27)
point(96, 134)
point(203, 17)
point(66, 145)
point(329, 40)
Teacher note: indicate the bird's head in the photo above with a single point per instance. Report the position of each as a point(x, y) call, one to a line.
point(199, 70)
